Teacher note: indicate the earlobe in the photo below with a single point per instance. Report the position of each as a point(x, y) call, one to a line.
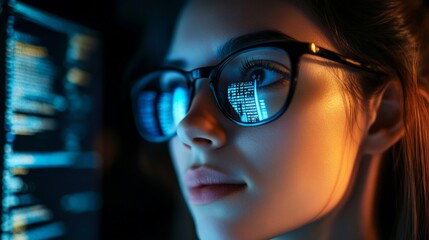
point(387, 127)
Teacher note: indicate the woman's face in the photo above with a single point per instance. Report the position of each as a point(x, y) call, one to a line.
point(259, 182)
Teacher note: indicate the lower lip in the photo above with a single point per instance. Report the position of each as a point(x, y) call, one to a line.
point(210, 193)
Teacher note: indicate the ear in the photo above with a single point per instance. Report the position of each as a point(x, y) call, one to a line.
point(387, 125)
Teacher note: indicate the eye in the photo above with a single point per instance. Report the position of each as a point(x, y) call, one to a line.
point(265, 73)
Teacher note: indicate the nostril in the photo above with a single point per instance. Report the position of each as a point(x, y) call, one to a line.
point(202, 141)
point(186, 145)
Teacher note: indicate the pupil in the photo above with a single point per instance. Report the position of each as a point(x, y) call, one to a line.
point(257, 75)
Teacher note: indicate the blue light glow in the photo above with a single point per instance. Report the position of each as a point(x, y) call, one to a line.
point(81, 202)
point(49, 231)
point(52, 160)
point(146, 103)
point(165, 113)
point(180, 104)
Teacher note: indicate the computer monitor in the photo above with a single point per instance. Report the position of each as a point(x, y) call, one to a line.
point(50, 116)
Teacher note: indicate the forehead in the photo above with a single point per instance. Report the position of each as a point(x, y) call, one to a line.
point(205, 25)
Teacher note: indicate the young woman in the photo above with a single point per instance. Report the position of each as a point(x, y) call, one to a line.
point(296, 119)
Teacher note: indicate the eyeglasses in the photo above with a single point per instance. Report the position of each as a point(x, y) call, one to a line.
point(251, 86)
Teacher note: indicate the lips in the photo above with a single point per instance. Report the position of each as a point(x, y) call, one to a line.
point(206, 185)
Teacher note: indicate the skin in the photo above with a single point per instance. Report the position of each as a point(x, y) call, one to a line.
point(300, 170)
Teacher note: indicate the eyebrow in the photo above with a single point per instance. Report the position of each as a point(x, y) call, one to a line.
point(240, 42)
point(236, 44)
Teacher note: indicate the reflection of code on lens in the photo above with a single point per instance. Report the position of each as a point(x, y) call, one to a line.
point(165, 113)
point(147, 112)
point(243, 98)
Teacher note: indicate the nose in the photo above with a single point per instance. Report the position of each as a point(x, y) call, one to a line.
point(202, 126)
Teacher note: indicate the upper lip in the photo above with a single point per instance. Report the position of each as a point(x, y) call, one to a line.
point(203, 176)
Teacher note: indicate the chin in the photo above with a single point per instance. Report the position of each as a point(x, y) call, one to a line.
point(229, 230)
point(213, 233)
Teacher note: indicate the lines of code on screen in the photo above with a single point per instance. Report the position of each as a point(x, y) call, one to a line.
point(50, 187)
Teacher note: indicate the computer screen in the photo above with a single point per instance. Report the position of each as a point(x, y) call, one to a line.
point(50, 116)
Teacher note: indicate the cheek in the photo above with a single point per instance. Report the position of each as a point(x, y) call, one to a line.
point(180, 156)
point(311, 163)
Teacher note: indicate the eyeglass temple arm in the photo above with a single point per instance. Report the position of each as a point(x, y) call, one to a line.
point(314, 49)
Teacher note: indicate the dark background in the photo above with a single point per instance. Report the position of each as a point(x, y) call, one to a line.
point(141, 199)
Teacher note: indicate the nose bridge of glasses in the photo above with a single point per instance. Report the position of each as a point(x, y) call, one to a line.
point(197, 74)
point(200, 73)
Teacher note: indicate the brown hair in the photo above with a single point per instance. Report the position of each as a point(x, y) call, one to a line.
point(393, 34)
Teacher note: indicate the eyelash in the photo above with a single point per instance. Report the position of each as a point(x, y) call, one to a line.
point(248, 64)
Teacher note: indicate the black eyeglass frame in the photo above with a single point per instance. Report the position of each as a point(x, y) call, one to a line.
point(295, 49)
